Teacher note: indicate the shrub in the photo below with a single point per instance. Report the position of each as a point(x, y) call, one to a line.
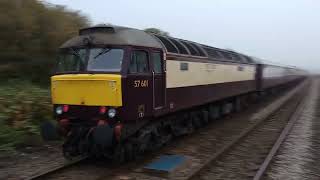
point(23, 107)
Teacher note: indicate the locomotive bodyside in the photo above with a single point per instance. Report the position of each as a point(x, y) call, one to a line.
point(202, 82)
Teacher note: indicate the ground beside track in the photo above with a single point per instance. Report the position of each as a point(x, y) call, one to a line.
point(25, 162)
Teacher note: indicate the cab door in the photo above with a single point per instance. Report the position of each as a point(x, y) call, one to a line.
point(159, 81)
point(138, 97)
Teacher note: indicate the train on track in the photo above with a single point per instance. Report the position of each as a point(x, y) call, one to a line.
point(118, 91)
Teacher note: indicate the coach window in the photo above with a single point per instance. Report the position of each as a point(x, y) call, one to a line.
point(236, 58)
point(227, 56)
point(243, 59)
point(169, 46)
point(212, 53)
point(248, 59)
point(192, 50)
point(181, 48)
point(201, 53)
point(139, 62)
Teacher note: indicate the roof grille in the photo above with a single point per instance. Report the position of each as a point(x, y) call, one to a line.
point(97, 29)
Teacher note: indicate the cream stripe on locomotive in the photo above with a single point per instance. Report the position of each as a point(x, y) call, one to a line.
point(186, 73)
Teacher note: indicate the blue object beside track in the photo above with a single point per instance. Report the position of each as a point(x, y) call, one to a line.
point(166, 163)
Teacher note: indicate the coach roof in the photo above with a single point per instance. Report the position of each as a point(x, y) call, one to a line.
point(112, 35)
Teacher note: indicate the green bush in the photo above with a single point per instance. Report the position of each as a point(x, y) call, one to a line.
point(23, 107)
point(31, 32)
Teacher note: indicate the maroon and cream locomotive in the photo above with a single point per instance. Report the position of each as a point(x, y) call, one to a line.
point(118, 91)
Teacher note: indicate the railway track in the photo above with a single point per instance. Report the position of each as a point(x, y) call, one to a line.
point(244, 158)
point(277, 144)
point(297, 158)
point(202, 148)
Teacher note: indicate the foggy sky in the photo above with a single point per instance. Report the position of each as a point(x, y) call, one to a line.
point(285, 31)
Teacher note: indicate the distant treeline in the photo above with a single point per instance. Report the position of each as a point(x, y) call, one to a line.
point(30, 34)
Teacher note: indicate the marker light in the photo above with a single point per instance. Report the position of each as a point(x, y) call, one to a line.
point(111, 113)
point(59, 110)
point(103, 110)
point(65, 108)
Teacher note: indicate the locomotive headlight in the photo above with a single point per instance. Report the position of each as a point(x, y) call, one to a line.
point(59, 110)
point(112, 113)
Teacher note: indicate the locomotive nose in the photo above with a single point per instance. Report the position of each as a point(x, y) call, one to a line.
point(87, 89)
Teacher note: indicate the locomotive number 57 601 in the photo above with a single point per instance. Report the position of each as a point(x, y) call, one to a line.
point(141, 83)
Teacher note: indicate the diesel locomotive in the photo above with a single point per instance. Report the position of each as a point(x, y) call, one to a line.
point(118, 92)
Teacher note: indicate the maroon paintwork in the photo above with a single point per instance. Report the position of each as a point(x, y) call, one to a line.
point(187, 97)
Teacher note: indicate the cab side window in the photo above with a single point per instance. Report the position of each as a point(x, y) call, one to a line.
point(157, 62)
point(139, 62)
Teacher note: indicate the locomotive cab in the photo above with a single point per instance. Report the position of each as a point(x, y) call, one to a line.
point(88, 77)
point(104, 78)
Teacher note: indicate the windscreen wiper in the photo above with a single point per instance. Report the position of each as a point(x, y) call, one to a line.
point(103, 51)
point(75, 53)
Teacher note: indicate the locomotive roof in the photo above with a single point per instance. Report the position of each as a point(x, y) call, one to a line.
point(112, 35)
point(119, 35)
